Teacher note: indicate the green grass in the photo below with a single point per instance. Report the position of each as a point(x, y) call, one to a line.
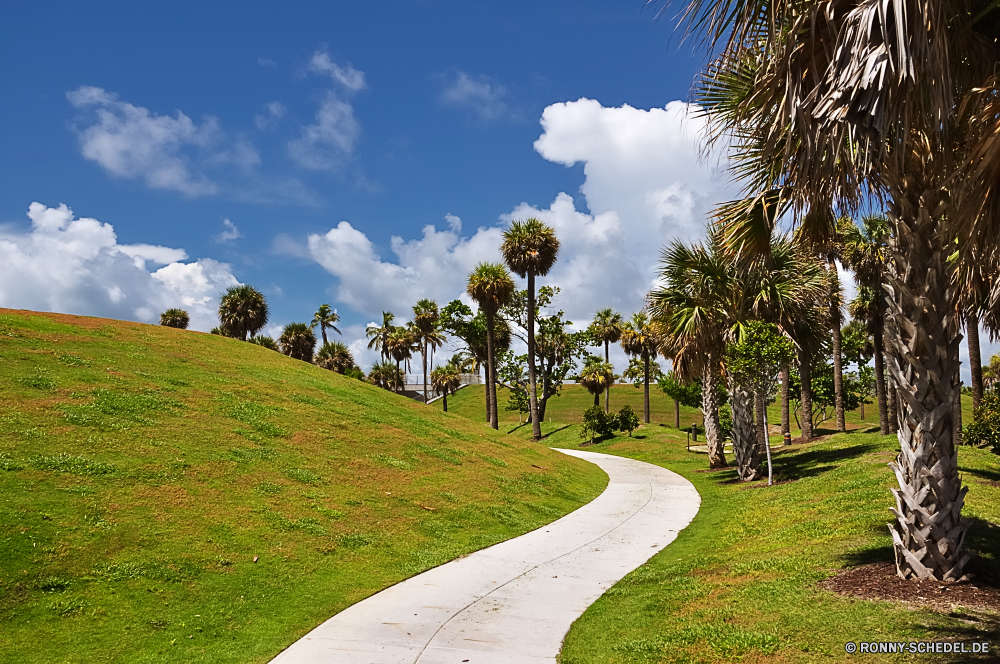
point(739, 584)
point(143, 469)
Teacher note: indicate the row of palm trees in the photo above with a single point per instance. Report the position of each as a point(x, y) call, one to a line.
point(399, 342)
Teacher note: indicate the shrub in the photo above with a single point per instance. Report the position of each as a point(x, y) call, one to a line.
point(597, 423)
point(175, 318)
point(627, 420)
point(984, 430)
point(265, 341)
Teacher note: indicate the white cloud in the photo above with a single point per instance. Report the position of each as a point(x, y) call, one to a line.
point(270, 116)
point(329, 141)
point(480, 95)
point(76, 266)
point(229, 233)
point(133, 142)
point(346, 75)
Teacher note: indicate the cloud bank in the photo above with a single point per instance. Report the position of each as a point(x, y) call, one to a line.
point(75, 265)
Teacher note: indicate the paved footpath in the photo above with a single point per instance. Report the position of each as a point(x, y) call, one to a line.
point(513, 602)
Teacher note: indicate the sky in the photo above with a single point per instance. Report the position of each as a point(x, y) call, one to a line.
point(364, 155)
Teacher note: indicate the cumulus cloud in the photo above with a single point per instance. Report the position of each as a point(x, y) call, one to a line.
point(229, 232)
point(480, 95)
point(346, 75)
point(133, 142)
point(75, 265)
point(329, 141)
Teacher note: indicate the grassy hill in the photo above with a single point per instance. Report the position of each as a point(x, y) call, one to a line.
point(168, 495)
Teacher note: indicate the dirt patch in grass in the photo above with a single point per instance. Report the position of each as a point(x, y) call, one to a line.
point(880, 582)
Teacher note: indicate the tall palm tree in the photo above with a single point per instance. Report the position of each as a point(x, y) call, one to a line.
point(400, 346)
point(837, 102)
point(335, 356)
point(243, 311)
point(426, 316)
point(297, 341)
point(325, 317)
point(642, 337)
point(596, 376)
point(445, 381)
point(607, 328)
point(530, 249)
point(380, 335)
point(492, 288)
point(175, 318)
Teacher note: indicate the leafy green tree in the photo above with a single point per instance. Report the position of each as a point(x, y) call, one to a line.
point(984, 430)
point(627, 420)
point(297, 341)
point(265, 341)
point(175, 318)
point(335, 356)
point(596, 376)
point(243, 311)
point(324, 318)
point(491, 287)
point(457, 319)
point(379, 335)
point(684, 394)
point(530, 249)
point(755, 362)
point(597, 423)
point(606, 328)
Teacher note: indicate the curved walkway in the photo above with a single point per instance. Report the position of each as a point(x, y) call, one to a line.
point(513, 602)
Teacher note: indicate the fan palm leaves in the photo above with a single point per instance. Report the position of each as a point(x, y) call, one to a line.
point(175, 318)
point(265, 341)
point(400, 346)
point(325, 317)
point(335, 356)
point(445, 381)
point(243, 311)
point(530, 249)
point(426, 318)
point(386, 375)
point(607, 329)
point(597, 376)
point(492, 287)
point(379, 335)
point(297, 341)
point(642, 337)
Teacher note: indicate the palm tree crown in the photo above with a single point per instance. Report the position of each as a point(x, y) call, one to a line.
point(529, 246)
point(325, 317)
point(243, 310)
point(298, 341)
point(175, 318)
point(379, 335)
point(335, 356)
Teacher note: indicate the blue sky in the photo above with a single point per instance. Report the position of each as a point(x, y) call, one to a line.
point(305, 148)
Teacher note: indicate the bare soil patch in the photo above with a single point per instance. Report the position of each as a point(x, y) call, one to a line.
point(879, 581)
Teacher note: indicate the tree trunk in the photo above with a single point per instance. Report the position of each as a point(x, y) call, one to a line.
point(607, 390)
point(892, 396)
point(743, 434)
point(880, 391)
point(645, 381)
point(838, 360)
point(491, 361)
point(759, 431)
point(786, 427)
point(710, 408)
point(444, 400)
point(805, 378)
point(677, 414)
point(486, 371)
point(767, 446)
point(322, 330)
point(423, 355)
point(536, 425)
point(975, 358)
point(861, 405)
point(929, 531)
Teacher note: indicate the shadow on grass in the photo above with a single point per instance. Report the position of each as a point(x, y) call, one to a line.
point(982, 473)
point(815, 462)
point(555, 431)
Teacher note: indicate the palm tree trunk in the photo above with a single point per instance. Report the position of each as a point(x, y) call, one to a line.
point(423, 356)
point(805, 378)
point(880, 391)
point(710, 409)
point(645, 381)
point(743, 434)
point(677, 414)
point(491, 360)
point(536, 426)
point(597, 399)
point(786, 427)
point(928, 532)
point(607, 390)
point(767, 446)
point(444, 400)
point(322, 330)
point(975, 358)
point(892, 397)
point(838, 360)
point(486, 377)
point(761, 434)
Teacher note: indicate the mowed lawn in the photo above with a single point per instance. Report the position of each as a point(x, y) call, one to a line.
point(171, 496)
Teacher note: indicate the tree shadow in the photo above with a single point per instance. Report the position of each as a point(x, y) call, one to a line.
point(555, 431)
point(815, 462)
point(984, 474)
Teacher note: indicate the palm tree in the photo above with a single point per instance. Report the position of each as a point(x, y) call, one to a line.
point(530, 249)
point(325, 317)
point(175, 318)
point(835, 103)
point(426, 316)
point(641, 337)
point(297, 341)
point(386, 375)
point(379, 335)
point(265, 341)
point(400, 346)
point(596, 376)
point(243, 311)
point(445, 381)
point(607, 328)
point(335, 356)
point(491, 287)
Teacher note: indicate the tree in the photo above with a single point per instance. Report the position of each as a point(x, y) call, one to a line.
point(243, 311)
point(458, 320)
point(426, 317)
point(684, 394)
point(627, 420)
point(297, 341)
point(265, 341)
point(642, 337)
point(380, 335)
point(530, 249)
point(335, 356)
point(325, 317)
point(491, 287)
point(386, 375)
point(596, 376)
point(175, 318)
point(606, 328)
point(984, 430)
point(400, 346)
point(445, 381)
point(597, 423)
point(755, 362)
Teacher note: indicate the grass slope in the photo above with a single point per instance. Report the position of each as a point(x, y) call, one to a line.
point(739, 584)
point(167, 495)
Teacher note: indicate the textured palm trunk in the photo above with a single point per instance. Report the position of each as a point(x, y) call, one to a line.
point(322, 330)
point(805, 397)
point(491, 362)
point(975, 358)
point(744, 434)
point(486, 372)
point(645, 381)
point(607, 390)
point(880, 390)
point(786, 427)
point(444, 400)
point(677, 414)
point(838, 360)
point(710, 409)
point(536, 425)
point(928, 532)
point(891, 397)
point(759, 430)
point(423, 356)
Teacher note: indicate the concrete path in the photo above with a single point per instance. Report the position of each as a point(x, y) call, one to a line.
point(513, 602)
